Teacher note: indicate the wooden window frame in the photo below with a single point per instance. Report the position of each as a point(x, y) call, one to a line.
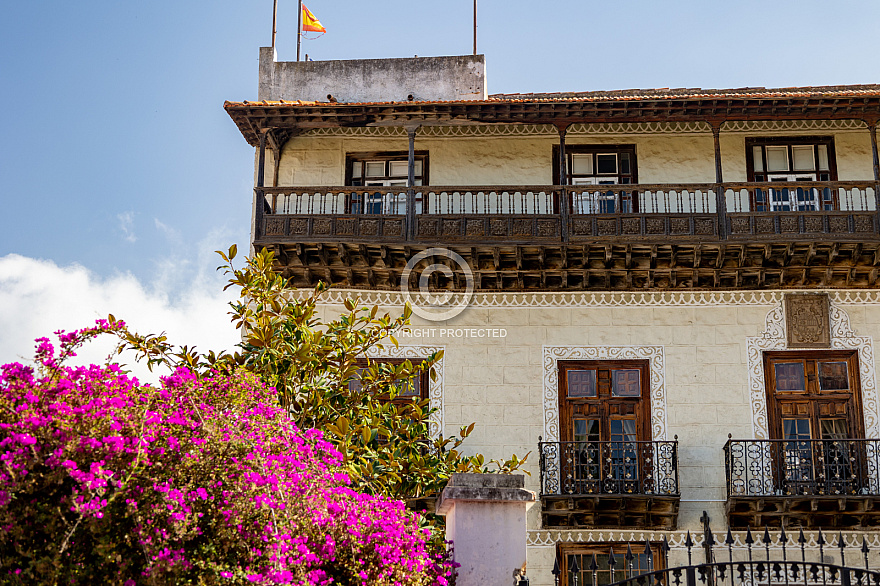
point(563, 550)
point(604, 401)
point(826, 199)
point(790, 141)
point(596, 149)
point(423, 382)
point(814, 395)
point(353, 157)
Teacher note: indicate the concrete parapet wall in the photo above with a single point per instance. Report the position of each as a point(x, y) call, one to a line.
point(373, 80)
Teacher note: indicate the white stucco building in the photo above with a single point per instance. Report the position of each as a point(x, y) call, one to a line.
point(675, 291)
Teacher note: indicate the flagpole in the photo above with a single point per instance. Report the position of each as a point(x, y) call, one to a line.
point(475, 27)
point(299, 28)
point(274, 20)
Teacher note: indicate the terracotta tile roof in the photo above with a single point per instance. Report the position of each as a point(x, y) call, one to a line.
point(619, 95)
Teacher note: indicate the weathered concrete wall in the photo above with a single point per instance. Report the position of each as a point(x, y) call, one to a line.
point(373, 80)
point(528, 160)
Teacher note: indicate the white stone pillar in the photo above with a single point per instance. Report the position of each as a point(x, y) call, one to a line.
point(486, 521)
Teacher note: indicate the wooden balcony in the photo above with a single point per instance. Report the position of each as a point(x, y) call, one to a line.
point(829, 483)
point(609, 484)
point(697, 236)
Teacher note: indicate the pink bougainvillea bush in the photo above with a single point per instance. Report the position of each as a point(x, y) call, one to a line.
point(203, 480)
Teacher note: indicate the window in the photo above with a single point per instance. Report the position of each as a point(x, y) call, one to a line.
point(815, 409)
point(383, 169)
point(604, 420)
point(414, 388)
point(598, 165)
point(789, 160)
point(575, 561)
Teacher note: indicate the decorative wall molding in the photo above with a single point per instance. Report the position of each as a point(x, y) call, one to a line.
point(677, 539)
point(842, 337)
point(532, 130)
point(435, 386)
point(608, 299)
point(656, 368)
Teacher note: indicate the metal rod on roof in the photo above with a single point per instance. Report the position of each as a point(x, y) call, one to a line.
point(299, 27)
point(274, 20)
point(475, 27)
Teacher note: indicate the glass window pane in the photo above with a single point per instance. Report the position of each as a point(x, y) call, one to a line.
point(758, 158)
point(410, 387)
point(375, 168)
point(833, 428)
point(582, 164)
point(355, 383)
point(622, 430)
point(624, 164)
point(833, 376)
point(581, 383)
point(777, 158)
point(586, 430)
point(803, 157)
point(606, 164)
point(399, 169)
point(790, 376)
point(641, 564)
point(823, 158)
point(626, 383)
point(356, 169)
point(418, 167)
point(796, 429)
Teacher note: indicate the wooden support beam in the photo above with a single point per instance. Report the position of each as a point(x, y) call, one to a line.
point(834, 252)
point(496, 257)
point(323, 256)
point(609, 253)
point(343, 254)
point(811, 254)
point(653, 262)
point(519, 258)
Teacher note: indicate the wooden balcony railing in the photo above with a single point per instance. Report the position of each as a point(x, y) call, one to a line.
point(563, 214)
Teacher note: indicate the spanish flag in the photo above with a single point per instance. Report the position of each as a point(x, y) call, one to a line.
point(310, 23)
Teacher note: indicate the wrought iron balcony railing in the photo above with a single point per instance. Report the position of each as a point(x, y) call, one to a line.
point(609, 468)
point(552, 213)
point(805, 468)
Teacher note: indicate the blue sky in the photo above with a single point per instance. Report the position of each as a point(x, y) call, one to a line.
point(120, 167)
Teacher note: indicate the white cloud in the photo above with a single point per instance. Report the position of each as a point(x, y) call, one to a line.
point(38, 297)
point(126, 224)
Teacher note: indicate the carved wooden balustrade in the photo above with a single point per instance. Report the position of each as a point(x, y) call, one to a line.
point(493, 215)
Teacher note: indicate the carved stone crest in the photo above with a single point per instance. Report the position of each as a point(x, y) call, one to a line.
point(807, 321)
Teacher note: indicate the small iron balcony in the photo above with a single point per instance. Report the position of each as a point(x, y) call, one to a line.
point(609, 484)
point(811, 483)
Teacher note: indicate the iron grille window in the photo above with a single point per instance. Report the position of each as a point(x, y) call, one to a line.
point(577, 562)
